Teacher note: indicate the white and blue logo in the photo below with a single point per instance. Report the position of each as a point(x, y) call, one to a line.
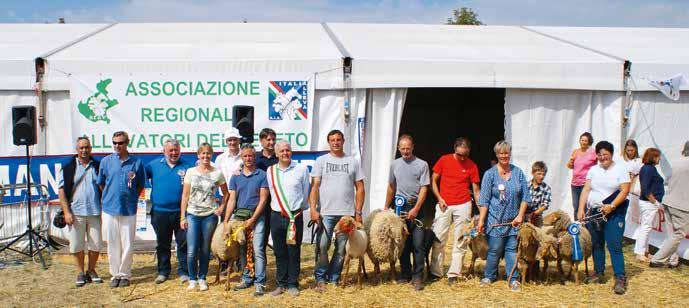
point(288, 100)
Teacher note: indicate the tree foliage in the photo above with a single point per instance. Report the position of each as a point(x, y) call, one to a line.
point(464, 16)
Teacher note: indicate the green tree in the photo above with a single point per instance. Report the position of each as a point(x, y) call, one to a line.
point(464, 16)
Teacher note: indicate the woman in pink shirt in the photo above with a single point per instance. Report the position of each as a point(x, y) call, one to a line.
point(580, 162)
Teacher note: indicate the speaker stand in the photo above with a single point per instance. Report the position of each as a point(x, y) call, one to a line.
point(37, 243)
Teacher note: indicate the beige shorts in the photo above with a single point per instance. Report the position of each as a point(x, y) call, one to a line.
point(85, 232)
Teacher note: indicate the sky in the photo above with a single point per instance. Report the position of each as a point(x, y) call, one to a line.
point(607, 13)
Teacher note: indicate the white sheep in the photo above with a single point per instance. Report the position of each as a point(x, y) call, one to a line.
point(225, 247)
point(387, 233)
point(357, 243)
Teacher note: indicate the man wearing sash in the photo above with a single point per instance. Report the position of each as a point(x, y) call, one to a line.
point(335, 177)
point(121, 178)
point(288, 183)
point(248, 195)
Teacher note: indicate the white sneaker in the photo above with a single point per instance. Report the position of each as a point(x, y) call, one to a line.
point(192, 285)
point(203, 286)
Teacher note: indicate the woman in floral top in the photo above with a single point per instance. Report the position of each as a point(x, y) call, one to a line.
point(502, 204)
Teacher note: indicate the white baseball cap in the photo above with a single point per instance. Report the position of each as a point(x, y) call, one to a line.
point(232, 133)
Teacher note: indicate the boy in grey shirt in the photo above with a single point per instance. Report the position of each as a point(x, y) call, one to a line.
point(334, 179)
point(409, 178)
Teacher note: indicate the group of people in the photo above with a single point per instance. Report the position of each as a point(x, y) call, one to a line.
point(270, 192)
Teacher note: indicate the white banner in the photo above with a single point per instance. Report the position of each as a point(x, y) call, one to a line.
point(190, 108)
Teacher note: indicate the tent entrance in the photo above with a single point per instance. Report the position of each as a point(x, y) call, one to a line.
point(436, 116)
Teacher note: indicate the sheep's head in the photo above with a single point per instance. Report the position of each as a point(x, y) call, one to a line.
point(547, 249)
point(557, 218)
point(347, 225)
point(234, 231)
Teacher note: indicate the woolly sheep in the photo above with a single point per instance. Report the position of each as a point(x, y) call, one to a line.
point(526, 250)
point(387, 233)
point(227, 254)
point(357, 243)
point(560, 221)
point(547, 251)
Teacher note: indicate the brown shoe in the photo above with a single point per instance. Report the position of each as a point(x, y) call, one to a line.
point(418, 284)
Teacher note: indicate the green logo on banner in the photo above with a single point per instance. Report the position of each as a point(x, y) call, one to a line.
point(97, 105)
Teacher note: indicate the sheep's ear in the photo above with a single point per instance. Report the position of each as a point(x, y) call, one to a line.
point(358, 225)
point(553, 251)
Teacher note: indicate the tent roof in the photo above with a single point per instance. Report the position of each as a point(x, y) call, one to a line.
point(387, 55)
point(203, 48)
point(654, 52)
point(384, 55)
point(20, 44)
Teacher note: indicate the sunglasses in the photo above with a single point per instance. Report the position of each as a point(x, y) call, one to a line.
point(118, 143)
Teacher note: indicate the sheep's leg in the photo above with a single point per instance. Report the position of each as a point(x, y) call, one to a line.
point(571, 267)
point(544, 274)
point(575, 265)
point(217, 274)
point(227, 281)
point(376, 270)
point(345, 269)
point(471, 265)
point(586, 266)
point(362, 264)
point(560, 271)
point(393, 271)
point(359, 271)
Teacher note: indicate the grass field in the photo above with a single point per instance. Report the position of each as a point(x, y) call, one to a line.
point(31, 286)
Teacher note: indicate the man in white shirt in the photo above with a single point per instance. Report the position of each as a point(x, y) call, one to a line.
point(230, 161)
point(288, 183)
point(676, 202)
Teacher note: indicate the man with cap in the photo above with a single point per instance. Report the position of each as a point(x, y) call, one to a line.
point(230, 161)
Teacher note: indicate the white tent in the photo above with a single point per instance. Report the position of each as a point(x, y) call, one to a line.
point(558, 82)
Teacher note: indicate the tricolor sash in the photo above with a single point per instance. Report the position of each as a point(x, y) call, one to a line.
point(283, 203)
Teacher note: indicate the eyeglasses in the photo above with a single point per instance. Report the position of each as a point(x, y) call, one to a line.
point(118, 143)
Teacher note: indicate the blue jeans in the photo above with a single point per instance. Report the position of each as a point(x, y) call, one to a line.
point(199, 235)
point(576, 194)
point(260, 233)
point(287, 257)
point(329, 270)
point(165, 224)
point(497, 246)
point(610, 233)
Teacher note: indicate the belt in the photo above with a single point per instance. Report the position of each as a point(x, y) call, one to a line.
point(296, 213)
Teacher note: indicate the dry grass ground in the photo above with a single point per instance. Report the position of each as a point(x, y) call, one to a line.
point(30, 286)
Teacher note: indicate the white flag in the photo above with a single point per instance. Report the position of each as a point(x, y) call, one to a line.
point(670, 86)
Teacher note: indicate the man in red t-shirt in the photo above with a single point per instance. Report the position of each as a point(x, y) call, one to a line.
point(452, 176)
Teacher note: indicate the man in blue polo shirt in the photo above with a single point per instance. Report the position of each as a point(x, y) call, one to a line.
point(166, 175)
point(121, 178)
point(248, 196)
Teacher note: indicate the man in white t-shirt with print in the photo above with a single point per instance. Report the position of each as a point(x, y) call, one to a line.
point(337, 189)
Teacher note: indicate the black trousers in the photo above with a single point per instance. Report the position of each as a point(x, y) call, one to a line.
point(414, 245)
point(165, 224)
point(287, 257)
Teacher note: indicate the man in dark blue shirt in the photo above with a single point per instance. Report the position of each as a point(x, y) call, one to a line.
point(166, 176)
point(248, 196)
point(265, 159)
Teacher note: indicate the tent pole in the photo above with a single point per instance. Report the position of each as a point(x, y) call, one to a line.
point(626, 104)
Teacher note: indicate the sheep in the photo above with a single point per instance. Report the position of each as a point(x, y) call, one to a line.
point(357, 243)
point(547, 251)
point(528, 235)
point(387, 233)
point(477, 243)
point(560, 221)
point(225, 246)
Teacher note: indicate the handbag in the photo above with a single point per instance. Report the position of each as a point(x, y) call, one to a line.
point(243, 214)
point(59, 219)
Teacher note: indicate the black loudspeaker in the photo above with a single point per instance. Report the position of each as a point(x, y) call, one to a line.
point(24, 125)
point(243, 120)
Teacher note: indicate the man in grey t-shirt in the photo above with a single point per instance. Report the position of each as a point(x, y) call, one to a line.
point(409, 178)
point(334, 178)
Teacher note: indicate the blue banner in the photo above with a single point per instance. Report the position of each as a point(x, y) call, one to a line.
point(44, 170)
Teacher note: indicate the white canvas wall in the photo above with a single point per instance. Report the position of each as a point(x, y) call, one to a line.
point(546, 124)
